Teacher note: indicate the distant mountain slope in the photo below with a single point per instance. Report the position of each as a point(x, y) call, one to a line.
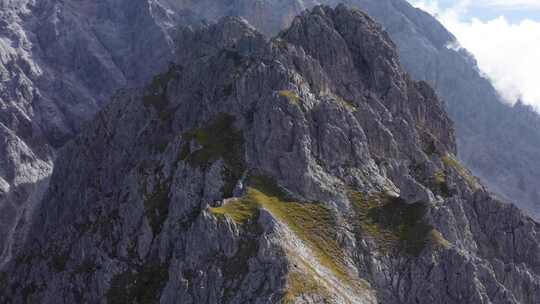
point(309, 168)
point(60, 61)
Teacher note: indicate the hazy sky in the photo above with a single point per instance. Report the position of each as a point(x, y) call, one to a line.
point(504, 36)
point(485, 10)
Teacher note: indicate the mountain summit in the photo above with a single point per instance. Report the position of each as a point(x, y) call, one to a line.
point(308, 168)
point(60, 62)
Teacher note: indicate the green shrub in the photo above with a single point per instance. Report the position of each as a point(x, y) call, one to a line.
point(451, 162)
point(219, 139)
point(440, 183)
point(141, 286)
point(347, 103)
point(157, 206)
point(313, 223)
point(156, 93)
point(396, 226)
point(290, 95)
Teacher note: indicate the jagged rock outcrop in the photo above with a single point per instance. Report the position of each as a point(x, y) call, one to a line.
point(307, 169)
point(498, 142)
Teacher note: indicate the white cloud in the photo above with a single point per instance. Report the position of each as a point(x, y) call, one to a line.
point(510, 4)
point(509, 54)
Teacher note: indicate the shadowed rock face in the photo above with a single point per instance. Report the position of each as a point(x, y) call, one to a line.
point(59, 63)
point(308, 168)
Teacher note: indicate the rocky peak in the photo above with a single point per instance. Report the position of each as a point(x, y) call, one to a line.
point(369, 52)
point(234, 34)
point(360, 57)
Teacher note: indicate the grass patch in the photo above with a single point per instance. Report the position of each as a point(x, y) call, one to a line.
point(440, 177)
point(161, 147)
point(156, 92)
point(440, 183)
point(347, 103)
point(219, 139)
point(142, 286)
point(300, 285)
point(451, 162)
point(396, 227)
point(438, 239)
point(290, 95)
point(239, 210)
point(313, 223)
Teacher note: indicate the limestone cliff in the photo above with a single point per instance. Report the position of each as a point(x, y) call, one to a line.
point(308, 168)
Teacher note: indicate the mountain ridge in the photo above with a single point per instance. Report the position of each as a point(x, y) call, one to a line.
point(47, 110)
point(360, 198)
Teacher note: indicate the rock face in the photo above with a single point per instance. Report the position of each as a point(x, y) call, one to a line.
point(59, 63)
point(308, 168)
point(500, 143)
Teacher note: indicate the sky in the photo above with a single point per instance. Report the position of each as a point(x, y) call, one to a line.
point(503, 35)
